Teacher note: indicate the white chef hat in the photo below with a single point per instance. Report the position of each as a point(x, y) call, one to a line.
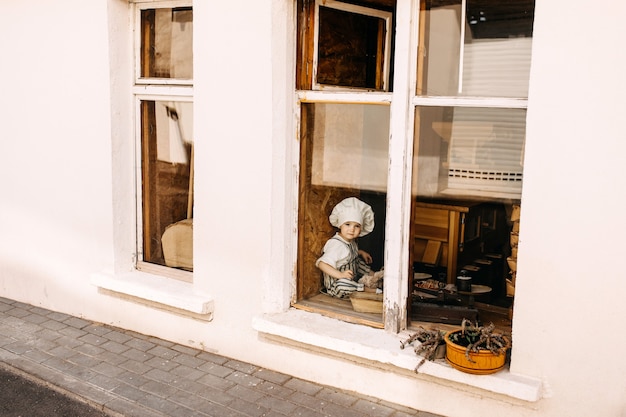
point(353, 210)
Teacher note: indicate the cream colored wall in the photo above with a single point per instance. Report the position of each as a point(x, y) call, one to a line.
point(55, 187)
point(67, 193)
point(571, 251)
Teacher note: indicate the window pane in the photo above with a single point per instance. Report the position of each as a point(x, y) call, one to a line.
point(483, 50)
point(166, 43)
point(469, 151)
point(167, 182)
point(343, 153)
point(350, 146)
point(350, 49)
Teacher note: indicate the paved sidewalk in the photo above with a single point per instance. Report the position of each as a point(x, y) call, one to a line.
point(128, 374)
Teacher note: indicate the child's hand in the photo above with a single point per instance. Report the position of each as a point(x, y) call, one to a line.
point(346, 274)
point(334, 272)
point(366, 256)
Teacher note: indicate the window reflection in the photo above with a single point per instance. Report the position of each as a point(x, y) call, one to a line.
point(167, 183)
point(167, 41)
point(469, 151)
point(350, 145)
point(483, 50)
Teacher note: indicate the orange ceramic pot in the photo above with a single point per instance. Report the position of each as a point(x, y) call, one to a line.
point(485, 362)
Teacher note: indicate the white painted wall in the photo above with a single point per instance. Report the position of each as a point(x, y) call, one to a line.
point(55, 209)
point(67, 206)
point(571, 251)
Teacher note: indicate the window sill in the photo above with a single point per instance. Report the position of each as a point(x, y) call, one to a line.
point(156, 291)
point(374, 345)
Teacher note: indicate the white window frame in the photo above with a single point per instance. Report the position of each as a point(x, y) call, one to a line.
point(402, 132)
point(358, 343)
point(146, 5)
point(397, 225)
point(404, 102)
point(400, 155)
point(153, 89)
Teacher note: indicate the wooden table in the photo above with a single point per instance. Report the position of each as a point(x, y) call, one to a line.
point(446, 228)
point(476, 290)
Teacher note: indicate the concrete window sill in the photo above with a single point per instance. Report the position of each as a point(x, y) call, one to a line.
point(157, 291)
point(369, 344)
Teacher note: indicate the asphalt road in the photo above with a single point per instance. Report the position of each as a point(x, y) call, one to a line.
point(21, 397)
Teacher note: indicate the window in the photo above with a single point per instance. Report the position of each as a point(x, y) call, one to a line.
point(352, 46)
point(434, 143)
point(344, 131)
point(479, 148)
point(164, 120)
point(343, 46)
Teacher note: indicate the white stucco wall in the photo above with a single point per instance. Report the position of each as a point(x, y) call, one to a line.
point(55, 209)
point(67, 207)
point(571, 247)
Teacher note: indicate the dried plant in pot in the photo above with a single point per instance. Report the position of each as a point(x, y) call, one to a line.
point(432, 344)
point(476, 349)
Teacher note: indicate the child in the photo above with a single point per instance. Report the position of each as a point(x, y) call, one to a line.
point(342, 263)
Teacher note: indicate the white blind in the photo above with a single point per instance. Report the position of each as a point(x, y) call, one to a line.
point(487, 144)
point(486, 149)
point(496, 67)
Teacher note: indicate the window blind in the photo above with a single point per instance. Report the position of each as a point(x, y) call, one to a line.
point(487, 144)
point(486, 149)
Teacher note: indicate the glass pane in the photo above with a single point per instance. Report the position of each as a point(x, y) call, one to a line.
point(343, 153)
point(167, 182)
point(351, 49)
point(350, 146)
point(461, 151)
point(167, 43)
point(483, 50)
point(467, 174)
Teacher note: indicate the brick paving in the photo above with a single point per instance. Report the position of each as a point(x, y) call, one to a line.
point(125, 373)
